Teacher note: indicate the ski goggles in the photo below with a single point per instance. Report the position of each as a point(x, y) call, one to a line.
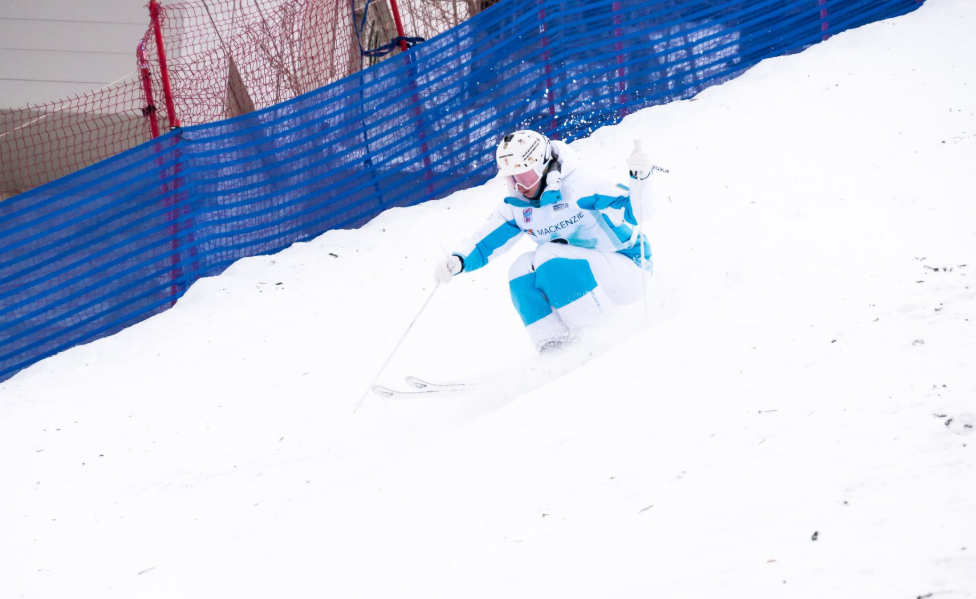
point(525, 181)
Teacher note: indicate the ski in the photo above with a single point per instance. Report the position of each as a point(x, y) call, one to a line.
point(422, 384)
point(387, 392)
point(420, 387)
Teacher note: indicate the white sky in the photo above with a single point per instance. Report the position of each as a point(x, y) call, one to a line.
point(809, 369)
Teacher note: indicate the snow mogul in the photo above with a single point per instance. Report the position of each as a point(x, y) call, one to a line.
point(590, 253)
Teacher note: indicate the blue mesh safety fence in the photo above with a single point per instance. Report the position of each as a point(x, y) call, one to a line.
point(103, 248)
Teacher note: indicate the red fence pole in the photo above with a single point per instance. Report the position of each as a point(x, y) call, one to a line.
point(399, 24)
point(550, 94)
point(150, 110)
point(421, 125)
point(414, 97)
point(174, 201)
point(163, 69)
point(823, 17)
point(619, 48)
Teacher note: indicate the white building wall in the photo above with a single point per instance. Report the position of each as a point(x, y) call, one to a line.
point(53, 49)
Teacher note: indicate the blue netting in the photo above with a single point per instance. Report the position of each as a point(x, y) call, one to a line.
point(94, 252)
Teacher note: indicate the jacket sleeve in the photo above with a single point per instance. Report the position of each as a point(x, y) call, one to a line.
point(608, 196)
point(493, 238)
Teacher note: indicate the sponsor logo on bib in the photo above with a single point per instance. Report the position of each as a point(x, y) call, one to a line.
point(557, 227)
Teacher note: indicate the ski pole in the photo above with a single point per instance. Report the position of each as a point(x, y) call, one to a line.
point(400, 342)
point(635, 197)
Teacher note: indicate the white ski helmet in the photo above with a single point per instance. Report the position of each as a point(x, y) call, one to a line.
point(523, 156)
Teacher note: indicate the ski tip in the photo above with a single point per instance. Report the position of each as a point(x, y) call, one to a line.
point(416, 383)
point(382, 391)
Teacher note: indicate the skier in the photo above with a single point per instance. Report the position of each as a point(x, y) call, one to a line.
point(588, 259)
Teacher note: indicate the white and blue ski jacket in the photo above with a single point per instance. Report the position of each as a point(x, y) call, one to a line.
point(587, 211)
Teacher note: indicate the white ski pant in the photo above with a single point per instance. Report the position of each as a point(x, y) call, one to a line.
point(560, 288)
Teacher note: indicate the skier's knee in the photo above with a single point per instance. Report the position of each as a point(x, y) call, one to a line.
point(530, 303)
point(564, 280)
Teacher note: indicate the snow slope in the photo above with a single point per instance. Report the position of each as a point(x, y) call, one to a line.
point(797, 421)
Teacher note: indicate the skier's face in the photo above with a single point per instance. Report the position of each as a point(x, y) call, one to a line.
point(527, 183)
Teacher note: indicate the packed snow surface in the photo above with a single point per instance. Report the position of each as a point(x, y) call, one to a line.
point(796, 420)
